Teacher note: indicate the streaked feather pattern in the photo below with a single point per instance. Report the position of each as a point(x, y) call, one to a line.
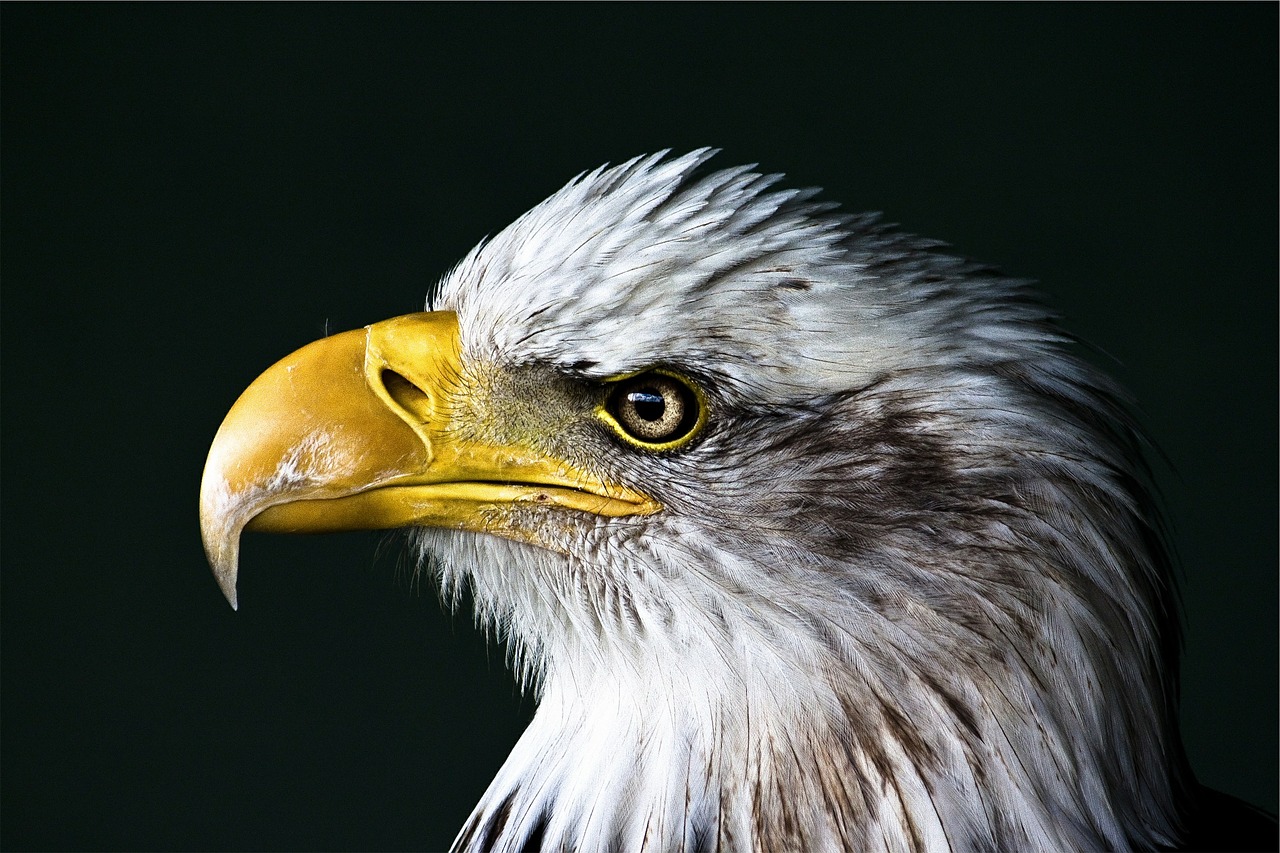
point(907, 591)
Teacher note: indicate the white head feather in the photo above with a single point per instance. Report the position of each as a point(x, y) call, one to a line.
point(906, 591)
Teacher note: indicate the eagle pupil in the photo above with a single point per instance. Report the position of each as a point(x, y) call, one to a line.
point(648, 404)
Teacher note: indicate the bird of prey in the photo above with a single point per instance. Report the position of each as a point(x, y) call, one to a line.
point(807, 534)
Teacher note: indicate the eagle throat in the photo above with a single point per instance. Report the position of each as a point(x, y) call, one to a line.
point(824, 679)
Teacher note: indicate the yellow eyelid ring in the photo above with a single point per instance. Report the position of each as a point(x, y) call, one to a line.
point(687, 427)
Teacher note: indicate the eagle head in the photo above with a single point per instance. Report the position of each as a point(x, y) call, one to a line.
point(807, 535)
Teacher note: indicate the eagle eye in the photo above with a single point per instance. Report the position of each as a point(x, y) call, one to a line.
point(654, 410)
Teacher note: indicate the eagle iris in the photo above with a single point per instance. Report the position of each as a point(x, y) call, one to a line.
point(654, 409)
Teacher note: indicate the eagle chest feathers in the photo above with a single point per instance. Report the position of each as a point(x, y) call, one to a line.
point(807, 535)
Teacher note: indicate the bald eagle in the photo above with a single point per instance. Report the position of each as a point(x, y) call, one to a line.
point(806, 534)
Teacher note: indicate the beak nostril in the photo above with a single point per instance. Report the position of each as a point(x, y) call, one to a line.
point(406, 395)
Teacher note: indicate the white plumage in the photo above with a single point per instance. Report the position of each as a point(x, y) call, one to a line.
point(906, 591)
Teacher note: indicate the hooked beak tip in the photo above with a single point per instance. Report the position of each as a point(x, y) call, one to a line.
point(224, 559)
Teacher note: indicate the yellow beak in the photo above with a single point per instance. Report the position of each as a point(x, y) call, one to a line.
point(353, 432)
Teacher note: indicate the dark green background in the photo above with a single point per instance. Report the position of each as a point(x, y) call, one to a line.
point(189, 193)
